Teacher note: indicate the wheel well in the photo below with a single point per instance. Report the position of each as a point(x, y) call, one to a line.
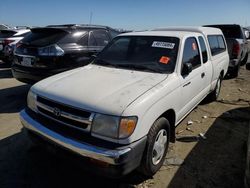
point(170, 116)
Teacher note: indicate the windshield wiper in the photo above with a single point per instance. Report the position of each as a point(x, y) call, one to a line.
point(139, 67)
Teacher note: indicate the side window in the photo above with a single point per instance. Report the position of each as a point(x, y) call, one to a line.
point(191, 53)
point(203, 49)
point(84, 40)
point(217, 44)
point(98, 38)
point(221, 42)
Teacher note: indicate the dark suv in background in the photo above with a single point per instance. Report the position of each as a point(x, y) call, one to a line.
point(237, 45)
point(53, 49)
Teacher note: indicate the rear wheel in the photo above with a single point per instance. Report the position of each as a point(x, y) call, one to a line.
point(215, 94)
point(156, 147)
point(248, 66)
point(235, 72)
point(244, 61)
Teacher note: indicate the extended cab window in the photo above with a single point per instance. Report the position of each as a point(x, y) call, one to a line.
point(203, 49)
point(98, 38)
point(191, 53)
point(217, 44)
point(143, 53)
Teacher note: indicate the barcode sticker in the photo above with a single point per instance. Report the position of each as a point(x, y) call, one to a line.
point(159, 44)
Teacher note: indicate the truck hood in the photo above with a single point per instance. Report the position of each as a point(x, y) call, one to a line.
point(97, 88)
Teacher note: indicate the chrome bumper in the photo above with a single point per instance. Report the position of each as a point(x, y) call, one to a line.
point(102, 154)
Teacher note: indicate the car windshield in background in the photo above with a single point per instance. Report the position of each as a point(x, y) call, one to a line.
point(43, 37)
point(145, 53)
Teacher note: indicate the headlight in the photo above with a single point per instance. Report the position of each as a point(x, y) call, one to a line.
point(113, 126)
point(31, 100)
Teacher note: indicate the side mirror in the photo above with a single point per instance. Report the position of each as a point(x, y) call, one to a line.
point(93, 57)
point(186, 69)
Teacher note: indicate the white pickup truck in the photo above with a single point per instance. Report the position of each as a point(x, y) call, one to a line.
point(120, 112)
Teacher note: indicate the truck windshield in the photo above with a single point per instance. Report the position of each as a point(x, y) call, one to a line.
point(144, 53)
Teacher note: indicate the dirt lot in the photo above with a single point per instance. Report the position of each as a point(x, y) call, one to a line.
point(217, 161)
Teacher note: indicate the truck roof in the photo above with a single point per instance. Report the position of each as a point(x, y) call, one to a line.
point(178, 31)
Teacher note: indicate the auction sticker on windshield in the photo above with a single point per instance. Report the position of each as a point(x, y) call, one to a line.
point(159, 44)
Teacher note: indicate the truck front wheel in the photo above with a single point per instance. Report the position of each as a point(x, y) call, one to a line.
point(156, 147)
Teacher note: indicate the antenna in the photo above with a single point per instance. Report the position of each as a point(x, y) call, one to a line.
point(90, 18)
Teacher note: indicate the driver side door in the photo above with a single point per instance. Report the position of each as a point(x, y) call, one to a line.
point(192, 83)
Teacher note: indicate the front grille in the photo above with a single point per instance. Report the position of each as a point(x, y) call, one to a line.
point(63, 114)
point(71, 132)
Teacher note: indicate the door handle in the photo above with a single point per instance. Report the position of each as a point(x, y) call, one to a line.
point(203, 75)
point(186, 84)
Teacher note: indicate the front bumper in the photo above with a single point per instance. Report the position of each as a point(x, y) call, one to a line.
point(121, 160)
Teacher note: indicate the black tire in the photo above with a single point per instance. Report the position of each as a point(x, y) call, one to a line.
point(147, 167)
point(235, 72)
point(213, 96)
point(244, 61)
point(248, 66)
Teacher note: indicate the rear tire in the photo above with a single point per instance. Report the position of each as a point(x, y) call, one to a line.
point(235, 72)
point(156, 147)
point(213, 96)
point(248, 66)
point(244, 61)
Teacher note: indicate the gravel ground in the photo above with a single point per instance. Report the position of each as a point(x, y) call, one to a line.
point(218, 160)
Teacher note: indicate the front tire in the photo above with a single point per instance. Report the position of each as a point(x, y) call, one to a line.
point(156, 147)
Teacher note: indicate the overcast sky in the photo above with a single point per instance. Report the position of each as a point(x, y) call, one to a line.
point(127, 14)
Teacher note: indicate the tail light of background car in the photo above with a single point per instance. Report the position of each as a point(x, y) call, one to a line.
point(6, 41)
point(18, 44)
point(236, 49)
point(53, 50)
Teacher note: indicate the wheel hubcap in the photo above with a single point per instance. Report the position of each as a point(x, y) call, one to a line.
point(159, 146)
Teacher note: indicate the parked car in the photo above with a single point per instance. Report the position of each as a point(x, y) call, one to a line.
point(236, 44)
point(57, 48)
point(121, 110)
point(4, 27)
point(8, 39)
point(3, 35)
